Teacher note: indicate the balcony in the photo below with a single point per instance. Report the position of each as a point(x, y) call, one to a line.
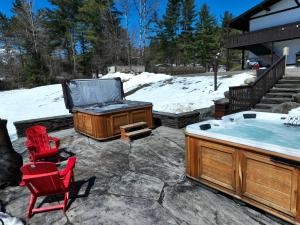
point(273, 34)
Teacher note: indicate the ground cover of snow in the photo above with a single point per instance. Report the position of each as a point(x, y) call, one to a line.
point(184, 94)
point(167, 93)
point(8, 220)
point(132, 81)
point(32, 103)
point(295, 112)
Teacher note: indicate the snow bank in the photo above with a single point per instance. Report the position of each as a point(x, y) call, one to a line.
point(32, 103)
point(167, 93)
point(184, 94)
point(295, 112)
point(132, 81)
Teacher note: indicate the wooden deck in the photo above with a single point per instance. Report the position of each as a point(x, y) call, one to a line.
point(278, 33)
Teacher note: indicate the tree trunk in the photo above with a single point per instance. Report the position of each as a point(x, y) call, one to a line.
point(10, 161)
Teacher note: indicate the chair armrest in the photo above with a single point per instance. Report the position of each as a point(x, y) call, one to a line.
point(22, 184)
point(69, 167)
point(56, 141)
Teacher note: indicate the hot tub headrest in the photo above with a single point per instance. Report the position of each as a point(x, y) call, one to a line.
point(84, 92)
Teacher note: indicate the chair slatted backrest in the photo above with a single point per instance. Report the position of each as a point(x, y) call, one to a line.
point(38, 136)
point(42, 178)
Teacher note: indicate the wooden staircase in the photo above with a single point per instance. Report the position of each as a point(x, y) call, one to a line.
point(282, 92)
point(135, 130)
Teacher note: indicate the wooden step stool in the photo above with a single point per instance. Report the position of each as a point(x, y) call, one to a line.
point(135, 130)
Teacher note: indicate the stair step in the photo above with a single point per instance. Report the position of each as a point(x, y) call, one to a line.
point(296, 86)
point(267, 100)
point(133, 126)
point(265, 106)
point(279, 95)
point(137, 133)
point(291, 78)
point(288, 81)
point(286, 90)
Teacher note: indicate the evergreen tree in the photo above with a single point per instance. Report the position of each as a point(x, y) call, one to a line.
point(187, 21)
point(104, 33)
point(62, 23)
point(206, 36)
point(226, 32)
point(169, 30)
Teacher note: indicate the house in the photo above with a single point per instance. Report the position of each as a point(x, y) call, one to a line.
point(267, 28)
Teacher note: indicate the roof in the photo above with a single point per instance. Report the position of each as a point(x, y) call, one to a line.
point(242, 22)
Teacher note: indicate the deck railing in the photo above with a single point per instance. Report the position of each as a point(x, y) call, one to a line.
point(278, 33)
point(246, 97)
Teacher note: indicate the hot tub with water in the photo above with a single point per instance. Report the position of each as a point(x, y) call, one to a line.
point(252, 156)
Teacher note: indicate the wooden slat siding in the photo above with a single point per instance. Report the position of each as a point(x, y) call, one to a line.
point(246, 97)
point(249, 174)
point(278, 33)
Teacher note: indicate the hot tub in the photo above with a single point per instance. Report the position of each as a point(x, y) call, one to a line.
point(252, 156)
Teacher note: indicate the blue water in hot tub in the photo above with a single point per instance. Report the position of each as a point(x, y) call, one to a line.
point(261, 131)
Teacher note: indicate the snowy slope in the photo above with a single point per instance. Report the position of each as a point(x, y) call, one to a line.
point(133, 81)
point(30, 104)
point(167, 93)
point(183, 94)
point(295, 112)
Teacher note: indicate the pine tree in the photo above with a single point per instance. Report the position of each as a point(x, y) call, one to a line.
point(62, 23)
point(206, 36)
point(169, 30)
point(187, 21)
point(104, 33)
point(225, 32)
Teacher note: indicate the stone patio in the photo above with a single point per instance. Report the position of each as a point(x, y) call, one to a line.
point(136, 184)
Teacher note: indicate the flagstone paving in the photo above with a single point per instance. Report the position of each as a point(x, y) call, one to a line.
point(142, 183)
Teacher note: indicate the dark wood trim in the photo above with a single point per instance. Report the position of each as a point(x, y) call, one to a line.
point(246, 97)
point(273, 34)
point(272, 53)
point(243, 59)
point(279, 11)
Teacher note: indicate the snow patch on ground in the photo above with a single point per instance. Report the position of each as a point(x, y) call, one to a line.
point(8, 220)
point(132, 81)
point(167, 93)
point(295, 112)
point(32, 103)
point(184, 94)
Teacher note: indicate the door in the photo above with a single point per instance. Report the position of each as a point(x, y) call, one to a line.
point(272, 184)
point(217, 164)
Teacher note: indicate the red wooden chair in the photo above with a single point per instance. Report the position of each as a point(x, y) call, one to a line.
point(40, 145)
point(43, 179)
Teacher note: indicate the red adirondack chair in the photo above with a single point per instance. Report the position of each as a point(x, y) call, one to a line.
point(40, 145)
point(43, 179)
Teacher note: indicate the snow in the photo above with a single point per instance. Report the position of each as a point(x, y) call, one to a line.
point(32, 103)
point(295, 112)
point(8, 220)
point(132, 81)
point(167, 93)
point(184, 94)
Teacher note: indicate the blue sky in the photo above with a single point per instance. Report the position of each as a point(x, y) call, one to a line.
point(217, 7)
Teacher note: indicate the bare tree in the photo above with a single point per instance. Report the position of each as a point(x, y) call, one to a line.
point(146, 10)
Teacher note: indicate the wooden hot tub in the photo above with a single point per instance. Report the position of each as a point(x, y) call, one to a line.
point(99, 108)
point(263, 174)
